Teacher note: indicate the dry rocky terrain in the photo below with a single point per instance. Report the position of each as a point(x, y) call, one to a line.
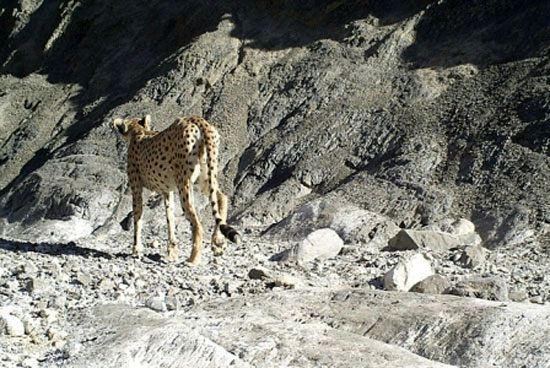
point(387, 164)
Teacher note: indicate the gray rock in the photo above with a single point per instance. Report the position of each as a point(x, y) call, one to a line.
point(59, 302)
point(485, 288)
point(472, 256)
point(407, 272)
point(419, 239)
point(434, 284)
point(320, 244)
point(146, 334)
point(29, 268)
point(172, 303)
point(510, 228)
point(31, 325)
point(286, 281)
point(518, 295)
point(50, 315)
point(106, 285)
point(123, 329)
point(84, 279)
point(352, 318)
point(37, 286)
point(157, 304)
point(258, 273)
point(351, 223)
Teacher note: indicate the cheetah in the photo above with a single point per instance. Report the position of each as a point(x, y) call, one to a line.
point(173, 159)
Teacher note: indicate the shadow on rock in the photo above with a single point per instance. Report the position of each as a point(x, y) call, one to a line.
point(451, 33)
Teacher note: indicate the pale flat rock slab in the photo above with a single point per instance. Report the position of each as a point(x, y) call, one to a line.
point(459, 331)
point(317, 328)
point(137, 337)
point(253, 337)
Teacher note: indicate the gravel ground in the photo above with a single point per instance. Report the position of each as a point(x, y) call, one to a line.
point(42, 285)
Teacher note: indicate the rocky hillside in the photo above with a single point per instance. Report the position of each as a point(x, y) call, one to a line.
point(361, 116)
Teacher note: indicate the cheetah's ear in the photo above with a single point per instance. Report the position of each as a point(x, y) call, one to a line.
point(146, 122)
point(121, 127)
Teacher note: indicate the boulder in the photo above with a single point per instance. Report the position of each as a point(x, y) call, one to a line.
point(422, 239)
point(490, 288)
point(434, 284)
point(408, 271)
point(353, 224)
point(320, 244)
point(472, 256)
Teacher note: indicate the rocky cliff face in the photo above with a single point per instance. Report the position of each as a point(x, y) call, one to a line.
point(414, 112)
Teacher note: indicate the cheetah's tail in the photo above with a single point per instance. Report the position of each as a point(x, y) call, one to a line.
point(230, 233)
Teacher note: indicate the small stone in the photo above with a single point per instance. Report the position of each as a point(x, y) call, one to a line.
point(37, 286)
point(59, 302)
point(140, 284)
point(106, 285)
point(30, 363)
point(537, 300)
point(157, 304)
point(456, 257)
point(172, 303)
point(435, 284)
point(31, 325)
point(258, 274)
point(11, 325)
point(63, 277)
point(12, 285)
point(286, 281)
point(518, 295)
point(27, 268)
point(50, 315)
point(155, 244)
point(56, 335)
point(407, 273)
point(84, 279)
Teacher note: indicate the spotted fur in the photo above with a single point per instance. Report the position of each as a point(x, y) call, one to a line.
point(174, 159)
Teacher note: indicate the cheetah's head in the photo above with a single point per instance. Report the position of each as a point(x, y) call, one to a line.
point(133, 126)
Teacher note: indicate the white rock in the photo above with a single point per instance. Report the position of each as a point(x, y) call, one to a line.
point(407, 273)
point(11, 325)
point(57, 335)
point(50, 315)
point(320, 244)
point(156, 303)
point(30, 363)
point(462, 226)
